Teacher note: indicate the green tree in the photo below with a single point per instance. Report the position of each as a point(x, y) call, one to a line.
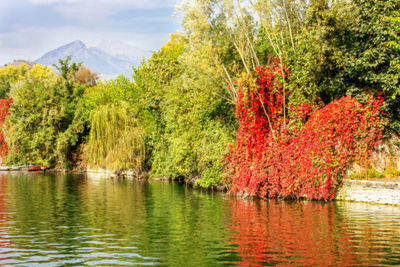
point(43, 126)
point(67, 70)
point(185, 109)
point(115, 140)
point(343, 50)
point(394, 43)
point(151, 80)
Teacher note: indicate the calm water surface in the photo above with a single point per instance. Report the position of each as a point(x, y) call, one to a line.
point(75, 220)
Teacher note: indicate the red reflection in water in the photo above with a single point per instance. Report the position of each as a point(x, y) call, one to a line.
point(302, 233)
point(3, 199)
point(3, 210)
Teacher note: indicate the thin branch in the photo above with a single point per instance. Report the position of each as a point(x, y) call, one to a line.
point(230, 82)
point(246, 33)
point(284, 96)
point(278, 52)
point(272, 42)
point(254, 52)
point(241, 56)
point(269, 121)
point(227, 99)
point(290, 26)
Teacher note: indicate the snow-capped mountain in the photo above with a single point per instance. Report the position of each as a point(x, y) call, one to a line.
point(97, 60)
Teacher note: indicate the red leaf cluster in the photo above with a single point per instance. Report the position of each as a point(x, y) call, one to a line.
point(4, 106)
point(270, 160)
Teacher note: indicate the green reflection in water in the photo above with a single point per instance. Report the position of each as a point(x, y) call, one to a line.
point(74, 220)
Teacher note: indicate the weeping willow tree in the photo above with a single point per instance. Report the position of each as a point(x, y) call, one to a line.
point(115, 140)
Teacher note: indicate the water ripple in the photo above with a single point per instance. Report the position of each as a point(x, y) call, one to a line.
point(72, 220)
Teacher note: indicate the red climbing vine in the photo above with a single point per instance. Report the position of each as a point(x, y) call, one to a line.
point(4, 106)
point(269, 160)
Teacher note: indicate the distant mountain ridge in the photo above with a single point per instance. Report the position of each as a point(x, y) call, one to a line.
point(19, 62)
point(108, 66)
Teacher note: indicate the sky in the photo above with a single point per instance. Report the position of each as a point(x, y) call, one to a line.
point(30, 28)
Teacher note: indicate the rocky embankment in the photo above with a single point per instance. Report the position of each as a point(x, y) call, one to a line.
point(377, 192)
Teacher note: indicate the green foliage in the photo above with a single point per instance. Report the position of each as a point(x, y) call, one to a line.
point(373, 173)
point(211, 177)
point(370, 173)
point(394, 43)
point(196, 135)
point(151, 80)
point(397, 143)
point(392, 172)
point(198, 126)
point(115, 140)
point(66, 70)
point(319, 53)
point(44, 125)
point(184, 110)
point(112, 91)
point(343, 50)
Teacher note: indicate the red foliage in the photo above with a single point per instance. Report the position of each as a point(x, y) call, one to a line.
point(4, 105)
point(269, 160)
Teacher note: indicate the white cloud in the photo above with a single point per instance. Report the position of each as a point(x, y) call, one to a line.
point(99, 10)
point(119, 3)
point(86, 10)
point(44, 2)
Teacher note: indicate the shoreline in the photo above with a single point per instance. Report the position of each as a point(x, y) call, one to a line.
point(361, 191)
point(370, 191)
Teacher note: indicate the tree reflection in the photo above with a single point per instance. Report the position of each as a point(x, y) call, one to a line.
point(71, 219)
point(3, 215)
point(3, 199)
point(281, 233)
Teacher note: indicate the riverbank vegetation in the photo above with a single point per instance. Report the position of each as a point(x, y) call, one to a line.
point(276, 98)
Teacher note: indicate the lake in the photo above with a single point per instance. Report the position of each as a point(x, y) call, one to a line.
point(58, 219)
